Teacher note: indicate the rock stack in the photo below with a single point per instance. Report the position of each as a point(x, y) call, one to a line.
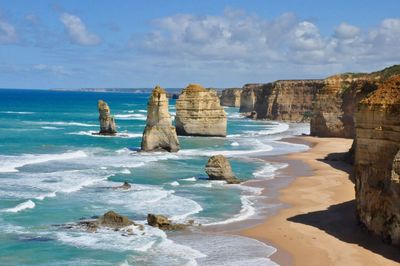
point(231, 97)
point(219, 168)
point(107, 123)
point(377, 161)
point(159, 133)
point(199, 113)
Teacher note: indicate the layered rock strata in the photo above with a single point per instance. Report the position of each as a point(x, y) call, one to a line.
point(248, 97)
point(159, 134)
point(230, 97)
point(377, 161)
point(219, 168)
point(336, 102)
point(107, 123)
point(199, 113)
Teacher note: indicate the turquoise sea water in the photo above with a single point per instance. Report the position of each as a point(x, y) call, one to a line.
point(53, 171)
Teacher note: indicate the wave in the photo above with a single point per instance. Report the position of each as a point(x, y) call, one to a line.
point(15, 112)
point(131, 116)
point(229, 153)
point(268, 170)
point(174, 183)
point(22, 206)
point(246, 212)
point(235, 143)
point(11, 163)
point(62, 123)
point(51, 128)
point(276, 129)
point(93, 133)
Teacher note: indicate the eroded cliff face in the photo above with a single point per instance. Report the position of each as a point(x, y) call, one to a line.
point(287, 100)
point(377, 160)
point(335, 103)
point(249, 96)
point(199, 113)
point(107, 123)
point(159, 134)
point(230, 97)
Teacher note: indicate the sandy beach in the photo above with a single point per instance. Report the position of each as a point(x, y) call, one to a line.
point(319, 226)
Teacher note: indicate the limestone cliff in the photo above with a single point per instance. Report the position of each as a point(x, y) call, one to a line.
point(219, 168)
point(248, 97)
point(159, 134)
point(287, 100)
point(198, 113)
point(335, 104)
point(230, 97)
point(107, 123)
point(377, 157)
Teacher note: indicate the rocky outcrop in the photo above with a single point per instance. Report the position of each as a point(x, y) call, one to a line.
point(219, 168)
point(110, 219)
point(159, 134)
point(124, 186)
point(107, 123)
point(336, 102)
point(163, 223)
point(230, 97)
point(377, 157)
point(198, 113)
point(248, 97)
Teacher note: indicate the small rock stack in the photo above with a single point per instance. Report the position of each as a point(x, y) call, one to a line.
point(107, 123)
point(219, 168)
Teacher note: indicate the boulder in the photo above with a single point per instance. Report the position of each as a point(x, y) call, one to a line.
point(219, 168)
point(124, 186)
point(110, 219)
point(107, 123)
point(163, 222)
point(159, 134)
point(199, 113)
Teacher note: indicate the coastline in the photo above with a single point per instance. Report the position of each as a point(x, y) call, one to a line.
point(317, 223)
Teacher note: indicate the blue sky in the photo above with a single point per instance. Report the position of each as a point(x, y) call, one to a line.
point(98, 43)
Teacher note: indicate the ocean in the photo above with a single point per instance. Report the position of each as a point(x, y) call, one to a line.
point(54, 172)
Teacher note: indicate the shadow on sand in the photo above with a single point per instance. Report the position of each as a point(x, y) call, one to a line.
point(340, 221)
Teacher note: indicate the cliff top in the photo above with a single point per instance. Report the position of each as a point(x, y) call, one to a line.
point(388, 93)
point(381, 75)
point(158, 90)
point(195, 88)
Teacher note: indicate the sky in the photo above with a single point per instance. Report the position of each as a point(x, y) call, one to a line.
point(138, 44)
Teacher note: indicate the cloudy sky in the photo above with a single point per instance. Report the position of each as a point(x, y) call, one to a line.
point(121, 43)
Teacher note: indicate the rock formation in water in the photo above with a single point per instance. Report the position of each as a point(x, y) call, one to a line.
point(159, 134)
point(107, 123)
point(219, 168)
point(199, 113)
point(110, 219)
point(163, 223)
point(124, 186)
point(335, 104)
point(230, 97)
point(377, 161)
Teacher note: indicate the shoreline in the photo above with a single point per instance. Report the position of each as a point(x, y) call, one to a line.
point(316, 224)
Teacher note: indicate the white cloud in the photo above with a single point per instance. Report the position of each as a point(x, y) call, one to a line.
point(8, 33)
point(77, 31)
point(54, 69)
point(237, 36)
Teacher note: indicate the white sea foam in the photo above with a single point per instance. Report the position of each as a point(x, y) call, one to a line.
point(246, 212)
point(92, 133)
point(273, 128)
point(191, 179)
point(125, 171)
point(268, 170)
point(260, 148)
point(22, 206)
point(51, 128)
point(130, 116)
point(11, 163)
point(19, 113)
point(174, 183)
point(235, 144)
point(61, 123)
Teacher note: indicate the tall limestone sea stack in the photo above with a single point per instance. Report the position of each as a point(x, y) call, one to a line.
point(107, 123)
point(377, 161)
point(159, 134)
point(198, 113)
point(231, 97)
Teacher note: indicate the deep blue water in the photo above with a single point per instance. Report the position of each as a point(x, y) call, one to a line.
point(54, 171)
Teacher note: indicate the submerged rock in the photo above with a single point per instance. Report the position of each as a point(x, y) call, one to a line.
point(159, 133)
point(124, 186)
point(163, 222)
point(219, 168)
point(107, 123)
point(110, 219)
point(199, 113)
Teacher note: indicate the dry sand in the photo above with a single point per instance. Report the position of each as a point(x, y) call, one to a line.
point(319, 226)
